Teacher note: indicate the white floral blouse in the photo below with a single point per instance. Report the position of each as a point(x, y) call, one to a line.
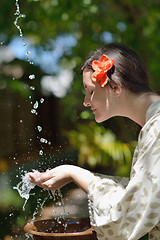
point(127, 209)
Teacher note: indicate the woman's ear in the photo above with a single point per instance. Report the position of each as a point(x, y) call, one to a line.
point(115, 88)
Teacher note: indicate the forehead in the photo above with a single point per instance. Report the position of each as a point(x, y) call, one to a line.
point(87, 81)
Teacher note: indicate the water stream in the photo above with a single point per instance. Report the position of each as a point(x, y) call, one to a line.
point(18, 16)
point(24, 187)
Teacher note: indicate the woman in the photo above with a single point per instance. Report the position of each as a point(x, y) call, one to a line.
point(116, 84)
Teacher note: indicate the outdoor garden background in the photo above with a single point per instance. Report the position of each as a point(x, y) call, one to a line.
point(43, 122)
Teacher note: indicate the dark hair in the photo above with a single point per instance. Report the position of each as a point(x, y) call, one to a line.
point(127, 69)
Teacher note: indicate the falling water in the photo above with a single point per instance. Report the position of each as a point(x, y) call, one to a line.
point(19, 15)
point(35, 106)
point(24, 187)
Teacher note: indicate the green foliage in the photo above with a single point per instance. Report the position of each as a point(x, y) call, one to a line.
point(134, 23)
point(11, 199)
point(19, 87)
point(99, 146)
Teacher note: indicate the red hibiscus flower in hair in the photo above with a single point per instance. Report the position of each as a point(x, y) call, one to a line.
point(100, 70)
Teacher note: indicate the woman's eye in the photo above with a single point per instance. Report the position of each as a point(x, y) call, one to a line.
point(91, 92)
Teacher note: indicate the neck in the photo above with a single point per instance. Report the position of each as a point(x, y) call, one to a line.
point(136, 106)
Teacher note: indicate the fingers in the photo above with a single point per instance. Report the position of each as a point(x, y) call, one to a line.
point(51, 179)
point(49, 185)
point(34, 176)
point(43, 180)
point(38, 177)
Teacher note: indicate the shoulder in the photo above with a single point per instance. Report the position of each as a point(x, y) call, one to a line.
point(150, 132)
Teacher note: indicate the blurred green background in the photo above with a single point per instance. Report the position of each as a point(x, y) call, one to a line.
point(42, 120)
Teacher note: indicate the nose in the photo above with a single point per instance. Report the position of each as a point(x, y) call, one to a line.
point(86, 102)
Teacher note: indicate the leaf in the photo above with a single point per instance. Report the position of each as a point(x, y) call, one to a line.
point(99, 146)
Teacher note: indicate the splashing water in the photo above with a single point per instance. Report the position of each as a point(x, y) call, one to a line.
point(19, 15)
point(39, 206)
point(35, 106)
point(24, 187)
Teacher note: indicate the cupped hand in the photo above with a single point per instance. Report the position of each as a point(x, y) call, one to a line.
point(52, 179)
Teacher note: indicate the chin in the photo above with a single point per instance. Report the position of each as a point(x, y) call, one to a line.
point(99, 120)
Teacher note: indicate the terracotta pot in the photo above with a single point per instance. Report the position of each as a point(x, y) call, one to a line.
point(50, 229)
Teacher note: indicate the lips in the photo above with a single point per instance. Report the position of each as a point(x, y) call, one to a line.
point(93, 110)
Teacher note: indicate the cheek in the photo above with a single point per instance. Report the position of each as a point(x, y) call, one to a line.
point(95, 101)
point(99, 101)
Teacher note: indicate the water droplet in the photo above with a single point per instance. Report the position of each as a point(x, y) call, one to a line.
point(35, 106)
point(39, 128)
point(32, 76)
point(28, 53)
point(41, 100)
point(33, 111)
point(40, 152)
point(43, 140)
point(32, 88)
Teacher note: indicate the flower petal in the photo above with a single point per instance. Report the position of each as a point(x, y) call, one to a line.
point(95, 74)
point(100, 76)
point(95, 64)
point(101, 68)
point(112, 63)
point(94, 77)
point(104, 80)
point(104, 58)
point(104, 61)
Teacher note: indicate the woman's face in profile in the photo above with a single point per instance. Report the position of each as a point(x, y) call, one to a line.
point(101, 100)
